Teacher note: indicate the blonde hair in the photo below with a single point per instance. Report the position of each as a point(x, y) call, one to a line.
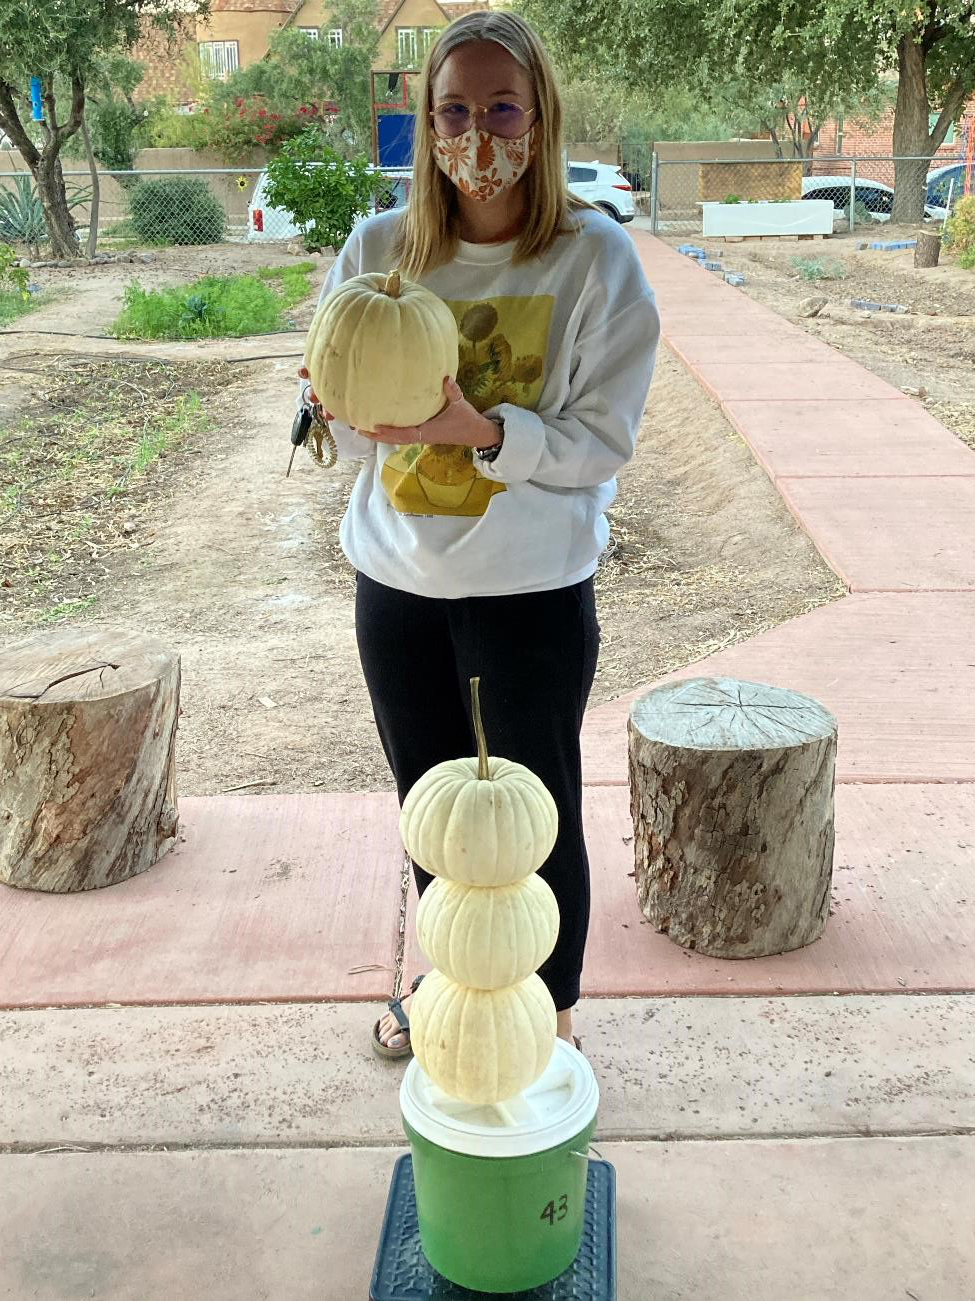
point(427, 235)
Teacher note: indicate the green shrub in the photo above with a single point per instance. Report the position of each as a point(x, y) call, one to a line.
point(732, 198)
point(176, 210)
point(960, 232)
point(15, 297)
point(216, 306)
point(324, 192)
point(861, 213)
point(817, 269)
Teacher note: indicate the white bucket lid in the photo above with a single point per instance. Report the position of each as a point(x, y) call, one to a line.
point(559, 1105)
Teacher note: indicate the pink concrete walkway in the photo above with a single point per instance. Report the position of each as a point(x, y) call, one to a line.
point(296, 897)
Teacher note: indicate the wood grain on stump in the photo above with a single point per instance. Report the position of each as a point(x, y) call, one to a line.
point(927, 251)
point(87, 758)
point(731, 792)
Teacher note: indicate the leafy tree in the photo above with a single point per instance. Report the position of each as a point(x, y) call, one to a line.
point(930, 45)
point(824, 55)
point(63, 42)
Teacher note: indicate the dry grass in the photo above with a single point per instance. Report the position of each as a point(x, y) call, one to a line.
point(83, 469)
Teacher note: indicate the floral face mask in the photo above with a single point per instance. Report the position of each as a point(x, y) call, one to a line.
point(482, 165)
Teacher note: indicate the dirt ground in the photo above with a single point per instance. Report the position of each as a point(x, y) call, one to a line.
point(929, 351)
point(238, 568)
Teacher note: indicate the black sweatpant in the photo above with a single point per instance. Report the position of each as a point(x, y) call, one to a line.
point(535, 654)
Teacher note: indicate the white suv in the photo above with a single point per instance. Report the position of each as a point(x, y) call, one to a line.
point(605, 187)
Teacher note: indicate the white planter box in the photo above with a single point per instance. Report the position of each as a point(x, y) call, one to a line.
point(797, 217)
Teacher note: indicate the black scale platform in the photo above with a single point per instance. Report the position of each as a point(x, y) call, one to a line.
point(402, 1273)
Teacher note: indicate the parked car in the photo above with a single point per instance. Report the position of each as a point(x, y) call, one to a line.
point(604, 186)
point(945, 181)
point(267, 223)
point(876, 197)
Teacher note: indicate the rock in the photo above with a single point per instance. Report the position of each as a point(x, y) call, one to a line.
point(129, 527)
point(812, 306)
point(296, 248)
point(147, 257)
point(921, 392)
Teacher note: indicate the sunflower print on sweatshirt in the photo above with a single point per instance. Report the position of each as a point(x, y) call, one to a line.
point(503, 343)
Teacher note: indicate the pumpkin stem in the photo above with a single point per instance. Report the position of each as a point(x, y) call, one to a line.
point(391, 287)
point(483, 772)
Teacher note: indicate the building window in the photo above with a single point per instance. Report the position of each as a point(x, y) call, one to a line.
point(932, 123)
point(333, 35)
point(412, 43)
point(218, 59)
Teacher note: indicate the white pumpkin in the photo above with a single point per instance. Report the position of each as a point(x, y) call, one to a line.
point(488, 938)
point(378, 351)
point(480, 821)
point(482, 1045)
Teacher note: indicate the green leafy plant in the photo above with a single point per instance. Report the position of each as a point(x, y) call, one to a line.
point(732, 198)
point(216, 306)
point(15, 298)
point(12, 278)
point(960, 232)
point(861, 213)
point(324, 193)
point(817, 269)
point(176, 210)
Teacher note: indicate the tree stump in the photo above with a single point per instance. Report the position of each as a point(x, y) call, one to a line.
point(731, 792)
point(87, 758)
point(927, 251)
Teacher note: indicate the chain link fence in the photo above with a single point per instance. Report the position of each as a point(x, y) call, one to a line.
point(159, 208)
point(862, 190)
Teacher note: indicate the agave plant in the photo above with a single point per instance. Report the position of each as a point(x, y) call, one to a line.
point(21, 213)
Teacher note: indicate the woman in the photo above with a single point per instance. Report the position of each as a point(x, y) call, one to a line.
point(475, 536)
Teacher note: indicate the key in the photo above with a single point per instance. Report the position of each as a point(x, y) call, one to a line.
point(299, 434)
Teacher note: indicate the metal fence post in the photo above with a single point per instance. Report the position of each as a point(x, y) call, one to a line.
point(853, 193)
point(654, 190)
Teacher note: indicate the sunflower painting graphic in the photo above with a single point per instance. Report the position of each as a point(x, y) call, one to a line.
point(503, 342)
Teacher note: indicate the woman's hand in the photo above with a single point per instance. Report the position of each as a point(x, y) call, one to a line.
point(457, 423)
point(310, 393)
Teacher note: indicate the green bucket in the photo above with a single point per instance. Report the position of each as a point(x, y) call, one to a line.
point(500, 1191)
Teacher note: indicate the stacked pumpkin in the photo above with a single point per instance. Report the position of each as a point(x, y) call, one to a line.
point(482, 1023)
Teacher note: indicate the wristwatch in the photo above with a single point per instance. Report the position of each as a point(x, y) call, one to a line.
point(491, 453)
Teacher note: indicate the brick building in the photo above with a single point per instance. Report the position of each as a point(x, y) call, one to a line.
point(238, 32)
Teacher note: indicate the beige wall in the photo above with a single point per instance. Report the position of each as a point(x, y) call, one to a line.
point(251, 31)
point(679, 187)
point(414, 13)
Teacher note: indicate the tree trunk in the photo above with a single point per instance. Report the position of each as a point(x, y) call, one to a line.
point(61, 232)
point(928, 249)
point(913, 145)
point(87, 758)
point(95, 192)
point(731, 792)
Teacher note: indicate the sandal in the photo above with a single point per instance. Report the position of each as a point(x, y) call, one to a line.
point(395, 1005)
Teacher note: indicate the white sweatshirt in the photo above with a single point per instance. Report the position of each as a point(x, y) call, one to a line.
point(562, 348)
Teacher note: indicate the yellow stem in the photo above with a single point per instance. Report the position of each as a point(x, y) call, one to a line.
point(483, 772)
point(391, 287)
